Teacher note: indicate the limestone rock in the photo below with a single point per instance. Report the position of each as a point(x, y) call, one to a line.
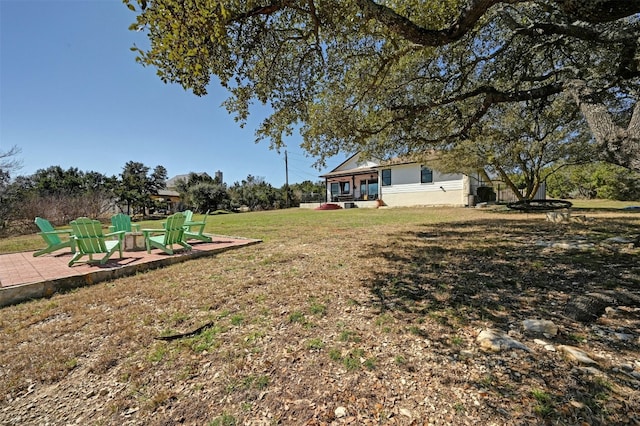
point(496, 341)
point(574, 354)
point(540, 326)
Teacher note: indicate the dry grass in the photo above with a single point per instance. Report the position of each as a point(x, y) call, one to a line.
point(373, 311)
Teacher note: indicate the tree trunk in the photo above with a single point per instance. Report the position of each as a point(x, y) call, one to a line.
point(509, 183)
point(619, 145)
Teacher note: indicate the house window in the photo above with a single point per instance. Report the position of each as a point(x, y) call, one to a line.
point(386, 177)
point(426, 175)
point(335, 191)
point(369, 189)
point(345, 187)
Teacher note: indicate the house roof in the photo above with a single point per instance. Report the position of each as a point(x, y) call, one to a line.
point(171, 183)
point(167, 193)
point(363, 168)
point(351, 172)
point(397, 161)
point(372, 168)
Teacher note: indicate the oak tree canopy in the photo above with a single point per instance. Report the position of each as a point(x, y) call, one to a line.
point(392, 77)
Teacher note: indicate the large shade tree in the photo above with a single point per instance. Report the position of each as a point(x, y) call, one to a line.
point(520, 146)
point(393, 77)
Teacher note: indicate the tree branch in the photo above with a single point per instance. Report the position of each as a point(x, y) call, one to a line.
point(596, 11)
point(592, 11)
point(426, 37)
point(269, 9)
point(492, 96)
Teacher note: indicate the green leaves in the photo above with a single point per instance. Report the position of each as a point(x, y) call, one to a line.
point(386, 78)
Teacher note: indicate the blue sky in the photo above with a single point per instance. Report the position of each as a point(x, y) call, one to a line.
point(72, 95)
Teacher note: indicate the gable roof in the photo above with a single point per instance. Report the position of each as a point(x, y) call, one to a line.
point(346, 167)
point(167, 193)
point(171, 183)
point(353, 166)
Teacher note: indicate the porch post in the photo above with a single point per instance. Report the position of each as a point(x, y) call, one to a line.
point(353, 187)
point(326, 190)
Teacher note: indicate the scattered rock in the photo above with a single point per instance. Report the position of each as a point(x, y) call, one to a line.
point(496, 341)
point(341, 412)
point(540, 326)
point(405, 412)
point(544, 344)
point(559, 217)
point(574, 354)
point(620, 240)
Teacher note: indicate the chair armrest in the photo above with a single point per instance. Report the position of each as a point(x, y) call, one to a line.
point(135, 227)
point(119, 234)
point(147, 231)
point(57, 231)
point(115, 233)
point(195, 223)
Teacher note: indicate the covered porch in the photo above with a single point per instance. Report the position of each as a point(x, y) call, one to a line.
point(353, 188)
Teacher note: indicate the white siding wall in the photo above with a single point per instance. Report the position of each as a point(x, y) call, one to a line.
point(406, 189)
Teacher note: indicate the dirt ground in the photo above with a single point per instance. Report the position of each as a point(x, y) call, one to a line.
point(367, 325)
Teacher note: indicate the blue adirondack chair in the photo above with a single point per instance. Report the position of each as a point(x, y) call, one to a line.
point(51, 236)
point(90, 240)
point(164, 239)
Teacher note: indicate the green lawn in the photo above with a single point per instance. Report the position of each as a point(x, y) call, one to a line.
point(267, 225)
point(603, 204)
point(280, 223)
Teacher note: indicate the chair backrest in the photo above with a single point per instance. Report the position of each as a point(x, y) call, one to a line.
point(188, 215)
point(46, 227)
point(174, 228)
point(88, 235)
point(121, 222)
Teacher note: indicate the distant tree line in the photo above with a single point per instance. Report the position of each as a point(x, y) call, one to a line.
point(62, 195)
point(204, 193)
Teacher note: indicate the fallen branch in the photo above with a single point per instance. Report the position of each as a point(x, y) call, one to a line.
point(188, 334)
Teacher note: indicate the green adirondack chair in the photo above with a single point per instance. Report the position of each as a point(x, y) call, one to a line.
point(122, 222)
point(195, 229)
point(188, 215)
point(51, 236)
point(90, 240)
point(171, 234)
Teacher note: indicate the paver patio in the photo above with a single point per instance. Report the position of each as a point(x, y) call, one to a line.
point(24, 277)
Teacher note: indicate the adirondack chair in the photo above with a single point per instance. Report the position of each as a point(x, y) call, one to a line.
point(188, 215)
point(122, 222)
point(51, 236)
point(195, 229)
point(172, 233)
point(89, 240)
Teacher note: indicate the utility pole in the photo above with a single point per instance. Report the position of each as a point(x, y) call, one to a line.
point(286, 182)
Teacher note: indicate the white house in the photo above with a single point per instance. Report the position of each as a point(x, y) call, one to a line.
point(397, 183)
